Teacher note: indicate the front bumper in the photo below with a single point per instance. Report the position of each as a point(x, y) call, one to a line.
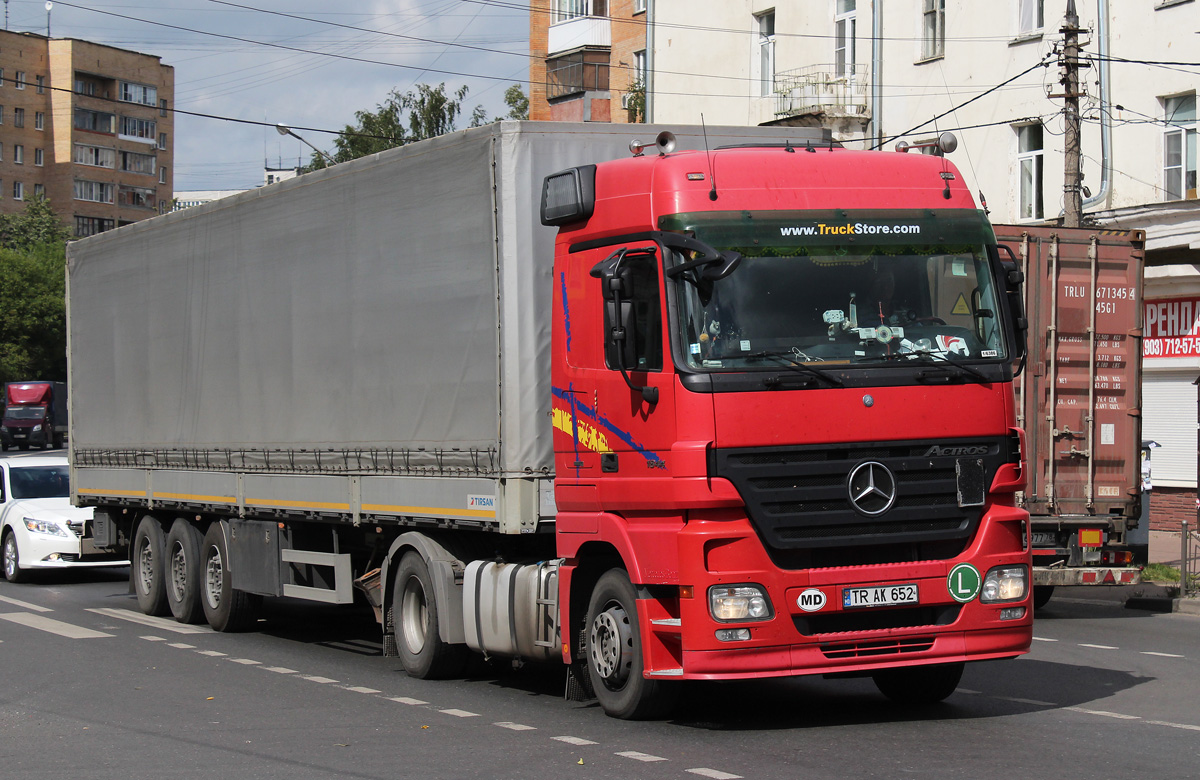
point(833, 639)
point(45, 551)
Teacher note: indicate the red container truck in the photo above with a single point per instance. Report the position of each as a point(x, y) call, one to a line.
point(1080, 401)
point(35, 415)
point(721, 415)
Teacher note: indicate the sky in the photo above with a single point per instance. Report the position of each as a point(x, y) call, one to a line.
point(308, 64)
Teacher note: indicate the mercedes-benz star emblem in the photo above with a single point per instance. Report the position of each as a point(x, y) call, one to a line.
point(872, 488)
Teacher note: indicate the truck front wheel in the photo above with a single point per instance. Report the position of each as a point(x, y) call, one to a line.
point(147, 568)
point(416, 615)
point(226, 609)
point(614, 653)
point(917, 685)
point(183, 571)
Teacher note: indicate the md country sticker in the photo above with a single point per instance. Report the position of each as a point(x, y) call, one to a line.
point(811, 600)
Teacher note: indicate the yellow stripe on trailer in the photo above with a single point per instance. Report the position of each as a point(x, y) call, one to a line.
point(198, 499)
point(110, 492)
point(434, 511)
point(298, 504)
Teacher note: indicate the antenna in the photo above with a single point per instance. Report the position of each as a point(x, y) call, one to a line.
point(712, 174)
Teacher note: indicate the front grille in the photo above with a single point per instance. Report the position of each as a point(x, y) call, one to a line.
point(873, 649)
point(798, 499)
point(876, 619)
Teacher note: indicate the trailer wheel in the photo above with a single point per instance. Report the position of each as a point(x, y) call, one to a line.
point(613, 647)
point(183, 571)
point(12, 560)
point(1041, 595)
point(415, 618)
point(226, 609)
point(917, 685)
point(146, 570)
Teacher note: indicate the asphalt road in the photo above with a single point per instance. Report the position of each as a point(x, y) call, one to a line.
point(91, 688)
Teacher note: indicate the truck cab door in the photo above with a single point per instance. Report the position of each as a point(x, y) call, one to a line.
point(613, 406)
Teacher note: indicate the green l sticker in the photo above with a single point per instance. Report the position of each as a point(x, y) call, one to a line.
point(964, 583)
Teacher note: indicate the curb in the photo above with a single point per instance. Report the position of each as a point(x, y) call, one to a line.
point(1164, 604)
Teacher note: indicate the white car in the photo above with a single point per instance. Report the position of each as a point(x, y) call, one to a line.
point(39, 529)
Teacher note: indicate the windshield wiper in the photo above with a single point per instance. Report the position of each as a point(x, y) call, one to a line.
point(928, 359)
point(788, 359)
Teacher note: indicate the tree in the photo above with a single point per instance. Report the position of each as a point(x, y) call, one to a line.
point(400, 119)
point(38, 225)
point(33, 333)
point(517, 102)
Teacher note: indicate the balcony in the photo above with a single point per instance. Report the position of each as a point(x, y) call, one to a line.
point(576, 33)
point(823, 89)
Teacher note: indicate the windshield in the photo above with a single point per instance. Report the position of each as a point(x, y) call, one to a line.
point(25, 412)
point(842, 288)
point(39, 482)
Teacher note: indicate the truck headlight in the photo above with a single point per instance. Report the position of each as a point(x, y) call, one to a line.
point(37, 428)
point(44, 527)
point(1005, 583)
point(729, 603)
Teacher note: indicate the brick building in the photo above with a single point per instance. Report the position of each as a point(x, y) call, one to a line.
point(588, 59)
point(88, 126)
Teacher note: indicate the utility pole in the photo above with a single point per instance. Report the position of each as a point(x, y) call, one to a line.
point(1072, 158)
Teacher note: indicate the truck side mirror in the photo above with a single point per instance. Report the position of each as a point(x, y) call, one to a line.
point(1014, 282)
point(620, 321)
point(620, 334)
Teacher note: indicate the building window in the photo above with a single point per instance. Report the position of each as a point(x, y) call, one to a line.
point(99, 156)
point(162, 141)
point(18, 154)
point(18, 117)
point(95, 191)
point(766, 52)
point(1, 115)
point(639, 6)
point(1179, 148)
point(135, 197)
point(1, 152)
point(162, 175)
point(39, 190)
point(84, 86)
point(90, 226)
point(96, 121)
point(844, 27)
point(39, 157)
point(39, 120)
point(933, 29)
point(132, 127)
point(1029, 165)
point(1, 77)
point(41, 84)
point(20, 79)
point(566, 10)
point(162, 107)
point(18, 190)
point(1031, 16)
point(137, 163)
point(580, 71)
point(129, 92)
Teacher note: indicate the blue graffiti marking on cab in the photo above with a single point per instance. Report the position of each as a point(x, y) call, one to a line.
point(595, 439)
point(566, 310)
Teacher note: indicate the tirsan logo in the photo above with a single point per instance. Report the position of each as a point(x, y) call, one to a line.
point(936, 451)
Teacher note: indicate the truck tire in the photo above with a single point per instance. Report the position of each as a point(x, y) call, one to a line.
point(918, 685)
point(1041, 595)
point(227, 610)
point(146, 568)
point(12, 560)
point(416, 614)
point(613, 653)
point(182, 571)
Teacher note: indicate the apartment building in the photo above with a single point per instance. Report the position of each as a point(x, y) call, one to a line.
point(588, 60)
point(87, 125)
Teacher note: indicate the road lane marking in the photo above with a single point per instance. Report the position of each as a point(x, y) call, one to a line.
point(166, 624)
point(1169, 724)
point(1019, 700)
point(182, 646)
point(407, 700)
point(636, 756)
point(967, 691)
point(459, 713)
point(212, 653)
point(1044, 639)
point(52, 626)
point(246, 662)
point(25, 605)
point(150, 638)
point(1100, 647)
point(1103, 713)
point(316, 678)
point(359, 689)
point(1163, 655)
point(278, 669)
point(580, 741)
point(714, 774)
point(515, 726)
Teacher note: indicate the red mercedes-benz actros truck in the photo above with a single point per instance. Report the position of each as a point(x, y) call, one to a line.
point(735, 412)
